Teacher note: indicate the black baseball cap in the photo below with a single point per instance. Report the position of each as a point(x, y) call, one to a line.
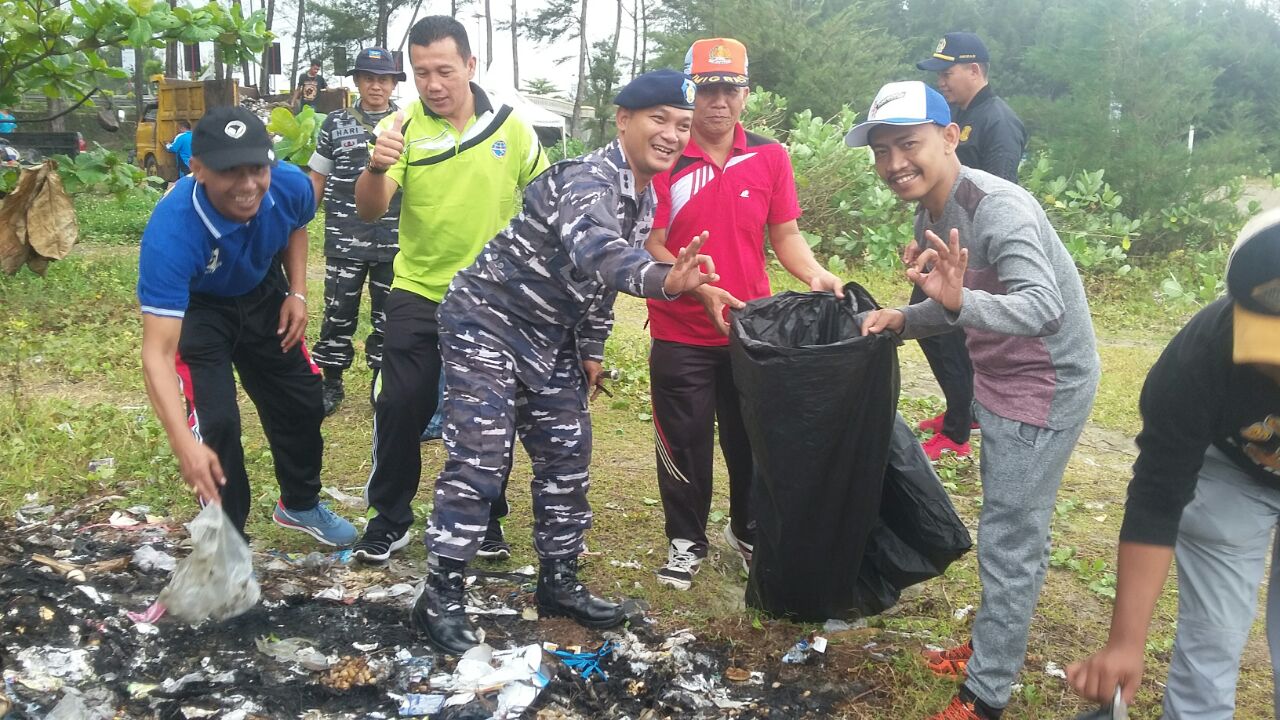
point(657, 87)
point(227, 137)
point(956, 48)
point(377, 61)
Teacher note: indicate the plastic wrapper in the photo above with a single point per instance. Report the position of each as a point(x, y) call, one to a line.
point(216, 580)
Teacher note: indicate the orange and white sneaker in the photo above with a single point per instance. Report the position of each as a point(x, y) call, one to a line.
point(951, 662)
point(964, 706)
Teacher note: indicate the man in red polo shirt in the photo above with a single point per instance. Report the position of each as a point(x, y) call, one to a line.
point(732, 184)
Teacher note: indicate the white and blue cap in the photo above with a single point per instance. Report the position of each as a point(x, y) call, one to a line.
point(901, 103)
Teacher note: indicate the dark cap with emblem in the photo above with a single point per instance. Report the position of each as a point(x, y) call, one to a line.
point(658, 87)
point(377, 61)
point(227, 137)
point(956, 48)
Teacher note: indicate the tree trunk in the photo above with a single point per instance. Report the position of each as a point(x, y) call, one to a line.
point(644, 41)
point(297, 47)
point(582, 69)
point(515, 49)
point(264, 80)
point(412, 19)
point(381, 33)
point(635, 36)
point(171, 52)
point(139, 84)
point(608, 78)
point(488, 35)
point(245, 79)
point(53, 106)
point(453, 8)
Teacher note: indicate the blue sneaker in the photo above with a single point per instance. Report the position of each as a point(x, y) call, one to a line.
point(319, 522)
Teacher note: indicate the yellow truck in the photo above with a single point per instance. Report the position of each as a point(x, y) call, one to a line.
point(187, 100)
point(178, 100)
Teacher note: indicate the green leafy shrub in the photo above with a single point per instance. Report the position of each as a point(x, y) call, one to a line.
point(850, 216)
point(1085, 211)
point(104, 171)
point(297, 141)
point(571, 147)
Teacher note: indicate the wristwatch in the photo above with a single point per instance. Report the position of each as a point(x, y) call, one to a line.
point(373, 170)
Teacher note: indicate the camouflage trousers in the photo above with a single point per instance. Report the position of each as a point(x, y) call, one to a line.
point(485, 407)
point(344, 280)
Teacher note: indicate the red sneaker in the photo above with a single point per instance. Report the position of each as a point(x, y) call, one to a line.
point(950, 663)
point(959, 710)
point(935, 446)
point(933, 424)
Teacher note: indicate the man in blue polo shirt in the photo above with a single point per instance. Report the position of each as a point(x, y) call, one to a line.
point(181, 148)
point(220, 280)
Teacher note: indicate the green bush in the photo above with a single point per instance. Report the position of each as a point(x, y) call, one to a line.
point(297, 142)
point(570, 148)
point(849, 214)
point(1086, 213)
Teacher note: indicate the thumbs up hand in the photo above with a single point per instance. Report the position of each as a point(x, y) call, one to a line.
point(389, 145)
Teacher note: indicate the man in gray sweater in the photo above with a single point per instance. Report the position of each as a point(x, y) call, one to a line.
point(1003, 275)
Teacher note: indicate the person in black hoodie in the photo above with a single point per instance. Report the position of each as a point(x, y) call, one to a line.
point(1206, 487)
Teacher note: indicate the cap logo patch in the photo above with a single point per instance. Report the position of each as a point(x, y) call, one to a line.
point(690, 91)
point(881, 102)
point(719, 55)
point(374, 54)
point(499, 148)
point(235, 129)
point(942, 45)
point(1268, 295)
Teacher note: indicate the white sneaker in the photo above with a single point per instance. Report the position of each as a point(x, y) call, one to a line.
point(681, 565)
point(744, 550)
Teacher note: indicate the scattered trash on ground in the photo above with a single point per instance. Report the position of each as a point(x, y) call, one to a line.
point(86, 636)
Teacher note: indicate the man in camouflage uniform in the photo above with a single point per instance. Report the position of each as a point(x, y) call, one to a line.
point(354, 249)
point(522, 334)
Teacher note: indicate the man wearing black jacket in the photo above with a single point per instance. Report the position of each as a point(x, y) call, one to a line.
point(992, 139)
point(1206, 487)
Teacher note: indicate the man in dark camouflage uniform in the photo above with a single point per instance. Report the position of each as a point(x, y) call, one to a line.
point(354, 250)
point(522, 334)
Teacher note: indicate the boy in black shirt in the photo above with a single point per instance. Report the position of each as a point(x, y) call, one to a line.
point(1210, 443)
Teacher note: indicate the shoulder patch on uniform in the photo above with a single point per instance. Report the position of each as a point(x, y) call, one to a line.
point(969, 196)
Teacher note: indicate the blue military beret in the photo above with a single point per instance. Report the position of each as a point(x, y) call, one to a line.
point(658, 87)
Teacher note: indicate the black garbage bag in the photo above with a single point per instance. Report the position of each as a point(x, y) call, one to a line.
point(818, 402)
point(918, 534)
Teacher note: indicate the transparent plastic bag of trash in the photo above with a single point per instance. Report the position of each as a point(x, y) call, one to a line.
point(216, 580)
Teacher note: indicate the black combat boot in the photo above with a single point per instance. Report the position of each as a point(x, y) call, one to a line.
point(560, 593)
point(332, 390)
point(440, 612)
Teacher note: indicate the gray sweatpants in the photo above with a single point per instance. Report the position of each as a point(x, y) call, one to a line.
point(1222, 552)
point(1022, 466)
